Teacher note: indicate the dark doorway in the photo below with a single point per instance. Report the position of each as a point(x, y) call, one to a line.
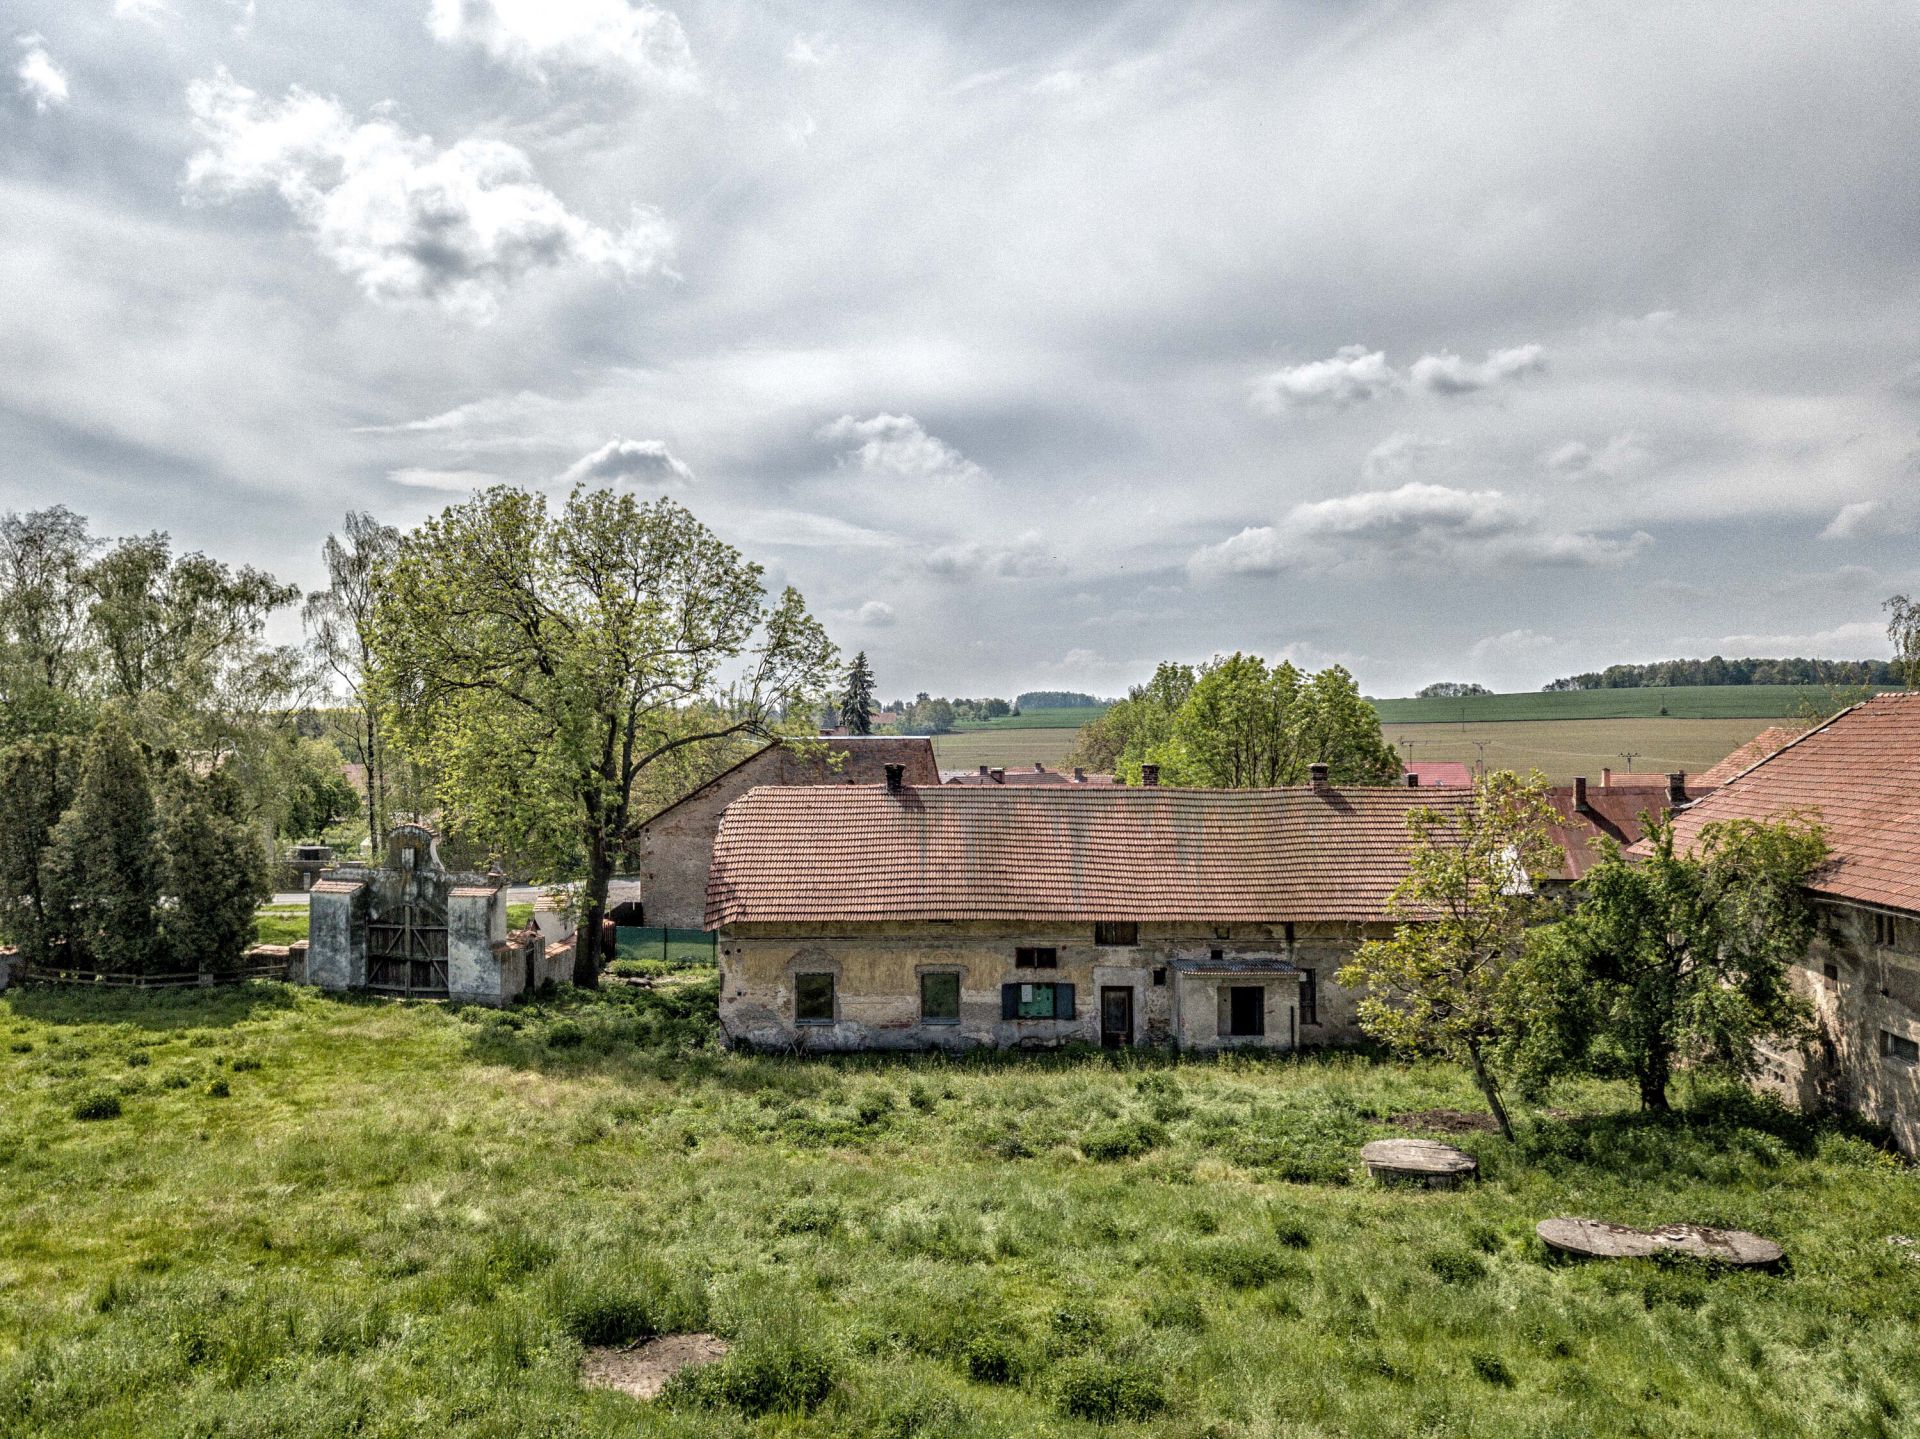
point(1247, 1009)
point(1116, 1016)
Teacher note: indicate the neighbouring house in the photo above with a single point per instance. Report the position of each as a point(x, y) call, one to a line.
point(1585, 814)
point(1039, 774)
point(1859, 775)
point(675, 846)
point(1440, 774)
point(889, 916)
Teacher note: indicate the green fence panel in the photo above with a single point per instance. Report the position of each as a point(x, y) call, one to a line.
point(681, 947)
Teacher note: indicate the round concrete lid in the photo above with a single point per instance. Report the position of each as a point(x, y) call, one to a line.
point(1417, 1156)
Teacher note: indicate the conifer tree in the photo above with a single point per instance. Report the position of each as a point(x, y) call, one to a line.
point(37, 779)
point(856, 704)
point(102, 873)
point(216, 874)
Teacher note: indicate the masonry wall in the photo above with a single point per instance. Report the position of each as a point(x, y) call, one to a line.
point(877, 972)
point(1873, 990)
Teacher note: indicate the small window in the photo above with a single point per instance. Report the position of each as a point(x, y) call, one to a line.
point(1036, 1001)
point(1031, 957)
point(1114, 934)
point(1830, 970)
point(813, 999)
point(940, 998)
point(1245, 1007)
point(1160, 977)
point(1885, 930)
point(1309, 996)
point(1899, 1048)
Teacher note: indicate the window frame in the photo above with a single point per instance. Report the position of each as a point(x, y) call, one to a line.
point(1116, 933)
point(1036, 956)
point(1899, 1049)
point(1309, 998)
point(833, 996)
point(1233, 1030)
point(1010, 1002)
point(947, 974)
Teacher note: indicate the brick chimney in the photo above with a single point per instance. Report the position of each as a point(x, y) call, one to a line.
point(1580, 794)
point(896, 778)
point(1079, 775)
point(1317, 775)
point(983, 771)
point(1606, 778)
point(1413, 780)
point(998, 776)
point(1677, 787)
point(1039, 768)
point(1150, 775)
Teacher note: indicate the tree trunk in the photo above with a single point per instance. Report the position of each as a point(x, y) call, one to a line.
point(1652, 1073)
point(373, 786)
point(1484, 1078)
point(593, 913)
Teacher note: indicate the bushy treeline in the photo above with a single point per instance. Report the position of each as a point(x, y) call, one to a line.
point(1450, 690)
point(1056, 700)
point(930, 714)
point(1237, 723)
point(1718, 671)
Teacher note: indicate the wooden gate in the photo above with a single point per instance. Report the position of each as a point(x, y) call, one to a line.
point(407, 951)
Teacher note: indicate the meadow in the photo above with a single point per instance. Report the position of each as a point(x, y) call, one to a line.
point(261, 1211)
point(1687, 702)
point(1561, 749)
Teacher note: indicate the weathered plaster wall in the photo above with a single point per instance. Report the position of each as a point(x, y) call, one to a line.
point(337, 939)
point(877, 987)
point(1874, 989)
point(480, 967)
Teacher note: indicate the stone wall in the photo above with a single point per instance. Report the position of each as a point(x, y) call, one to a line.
point(1172, 973)
point(1860, 991)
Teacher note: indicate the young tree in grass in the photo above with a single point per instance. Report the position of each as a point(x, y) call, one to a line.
point(1677, 958)
point(102, 873)
point(1473, 878)
point(215, 872)
point(856, 701)
point(543, 662)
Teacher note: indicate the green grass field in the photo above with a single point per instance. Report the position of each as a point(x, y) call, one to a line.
point(1680, 702)
point(1069, 719)
point(1561, 749)
point(1013, 748)
point(293, 1215)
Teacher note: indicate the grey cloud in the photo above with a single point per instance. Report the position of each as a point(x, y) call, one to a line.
point(1352, 376)
point(1447, 374)
point(641, 462)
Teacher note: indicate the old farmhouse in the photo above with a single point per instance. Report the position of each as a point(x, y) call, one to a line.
point(891, 916)
point(1859, 775)
point(676, 844)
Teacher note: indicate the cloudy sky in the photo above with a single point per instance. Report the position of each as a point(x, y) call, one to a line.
point(1035, 340)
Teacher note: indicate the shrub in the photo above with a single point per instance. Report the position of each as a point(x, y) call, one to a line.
point(1105, 1391)
point(763, 1376)
point(619, 1316)
point(100, 1104)
point(245, 1063)
point(991, 1358)
point(1493, 1370)
point(1176, 1311)
point(565, 1035)
point(138, 1058)
point(1457, 1266)
point(219, 1089)
point(1236, 1264)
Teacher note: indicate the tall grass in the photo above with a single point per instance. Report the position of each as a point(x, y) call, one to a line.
point(409, 1219)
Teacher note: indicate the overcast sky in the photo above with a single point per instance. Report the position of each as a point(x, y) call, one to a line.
point(1033, 341)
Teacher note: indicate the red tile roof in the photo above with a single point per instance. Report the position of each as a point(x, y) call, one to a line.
point(865, 760)
point(1859, 774)
point(1038, 775)
point(1610, 813)
point(1061, 854)
point(1442, 774)
point(1768, 741)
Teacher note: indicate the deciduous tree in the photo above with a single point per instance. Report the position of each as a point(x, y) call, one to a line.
point(339, 623)
point(1472, 888)
point(543, 662)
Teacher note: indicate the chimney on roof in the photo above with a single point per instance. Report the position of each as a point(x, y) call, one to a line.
point(1317, 775)
point(1606, 778)
point(983, 771)
point(1413, 779)
point(1039, 768)
point(896, 778)
point(1150, 776)
point(1677, 787)
point(1579, 794)
point(1079, 775)
point(998, 776)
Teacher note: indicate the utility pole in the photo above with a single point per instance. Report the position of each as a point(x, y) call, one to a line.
point(1480, 765)
point(1630, 756)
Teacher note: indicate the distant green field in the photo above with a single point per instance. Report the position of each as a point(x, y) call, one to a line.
point(1688, 702)
point(1071, 718)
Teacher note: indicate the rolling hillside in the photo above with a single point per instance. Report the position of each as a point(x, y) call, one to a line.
point(1691, 702)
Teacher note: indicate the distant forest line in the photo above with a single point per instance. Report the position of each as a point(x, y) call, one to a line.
point(1718, 671)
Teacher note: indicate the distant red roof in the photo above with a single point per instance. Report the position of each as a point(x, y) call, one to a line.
point(862, 760)
point(1768, 741)
point(1610, 814)
point(1442, 774)
point(1038, 775)
point(1859, 774)
point(836, 854)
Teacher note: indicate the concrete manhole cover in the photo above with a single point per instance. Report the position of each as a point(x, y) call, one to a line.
point(1417, 1161)
point(643, 1369)
point(1596, 1239)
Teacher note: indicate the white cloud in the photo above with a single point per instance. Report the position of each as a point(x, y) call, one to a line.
point(641, 41)
point(1352, 376)
point(41, 81)
point(1621, 455)
point(149, 10)
point(420, 479)
point(899, 446)
point(1399, 455)
point(404, 218)
point(1025, 556)
point(637, 462)
point(1417, 522)
point(1855, 639)
point(1447, 374)
point(1513, 644)
point(1851, 521)
point(809, 52)
point(875, 614)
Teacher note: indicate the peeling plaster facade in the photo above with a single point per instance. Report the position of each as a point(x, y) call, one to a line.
point(1177, 982)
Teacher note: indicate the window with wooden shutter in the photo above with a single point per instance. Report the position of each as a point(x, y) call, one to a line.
point(1028, 956)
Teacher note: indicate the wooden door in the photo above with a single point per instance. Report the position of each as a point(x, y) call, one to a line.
point(1116, 1016)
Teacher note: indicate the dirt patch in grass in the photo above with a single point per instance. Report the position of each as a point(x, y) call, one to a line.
point(1447, 1121)
point(643, 1369)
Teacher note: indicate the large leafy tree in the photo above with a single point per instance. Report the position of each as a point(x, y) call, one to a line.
point(1137, 726)
point(44, 645)
point(1238, 727)
point(1338, 728)
point(37, 779)
point(1474, 872)
point(1903, 628)
point(544, 662)
point(1677, 958)
point(339, 621)
point(101, 870)
point(856, 700)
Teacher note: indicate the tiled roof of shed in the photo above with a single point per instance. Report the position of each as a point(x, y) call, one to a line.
point(1859, 774)
point(1122, 853)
